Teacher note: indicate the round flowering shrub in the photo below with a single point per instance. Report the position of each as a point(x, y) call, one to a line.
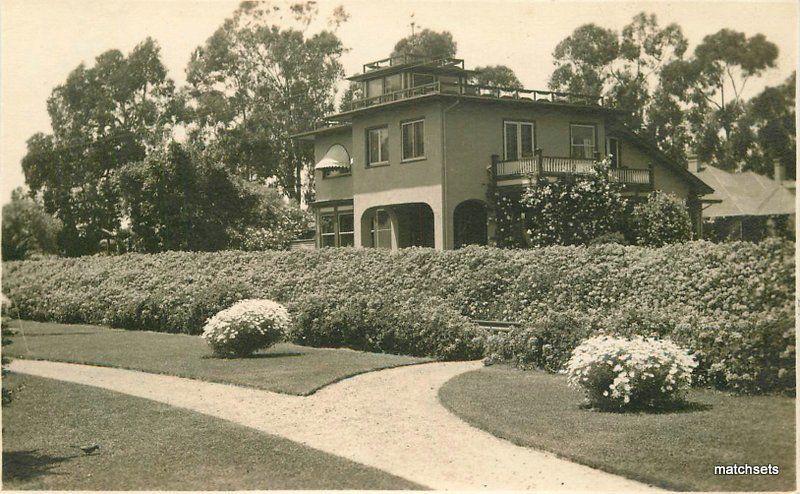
point(245, 327)
point(618, 373)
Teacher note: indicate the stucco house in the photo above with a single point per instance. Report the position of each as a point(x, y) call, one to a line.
point(410, 163)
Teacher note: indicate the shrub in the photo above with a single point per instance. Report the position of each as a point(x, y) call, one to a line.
point(245, 327)
point(618, 373)
point(406, 325)
point(661, 219)
point(5, 334)
point(545, 343)
point(573, 211)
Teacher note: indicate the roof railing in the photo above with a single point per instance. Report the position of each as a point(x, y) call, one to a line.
point(412, 58)
point(478, 91)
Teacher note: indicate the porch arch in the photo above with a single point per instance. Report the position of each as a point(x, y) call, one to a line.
point(470, 224)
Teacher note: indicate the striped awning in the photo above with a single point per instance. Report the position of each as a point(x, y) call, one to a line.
point(336, 158)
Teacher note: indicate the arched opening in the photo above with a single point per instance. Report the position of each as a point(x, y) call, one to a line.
point(469, 224)
point(398, 226)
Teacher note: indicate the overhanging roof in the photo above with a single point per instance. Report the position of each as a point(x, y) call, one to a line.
point(310, 134)
point(745, 194)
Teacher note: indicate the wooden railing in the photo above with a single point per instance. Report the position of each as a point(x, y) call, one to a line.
point(552, 166)
point(481, 91)
point(402, 94)
point(417, 60)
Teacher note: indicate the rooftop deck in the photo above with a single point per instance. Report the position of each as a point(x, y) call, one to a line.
point(478, 91)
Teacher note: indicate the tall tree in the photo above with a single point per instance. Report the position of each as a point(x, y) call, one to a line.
point(625, 68)
point(498, 76)
point(426, 43)
point(102, 117)
point(254, 83)
point(771, 115)
point(711, 85)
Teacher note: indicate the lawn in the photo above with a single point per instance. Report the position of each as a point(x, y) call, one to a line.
point(146, 445)
point(285, 368)
point(675, 450)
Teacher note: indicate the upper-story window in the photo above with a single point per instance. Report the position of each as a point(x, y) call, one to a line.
point(383, 85)
point(518, 140)
point(378, 146)
point(612, 149)
point(413, 139)
point(582, 141)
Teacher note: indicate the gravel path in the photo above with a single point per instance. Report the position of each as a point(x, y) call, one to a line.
point(390, 419)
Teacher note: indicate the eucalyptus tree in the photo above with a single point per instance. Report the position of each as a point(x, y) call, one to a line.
point(102, 117)
point(261, 77)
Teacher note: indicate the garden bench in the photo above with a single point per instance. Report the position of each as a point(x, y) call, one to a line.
point(497, 326)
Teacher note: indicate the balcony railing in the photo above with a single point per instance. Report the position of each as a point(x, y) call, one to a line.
point(417, 60)
point(480, 91)
point(402, 94)
point(552, 166)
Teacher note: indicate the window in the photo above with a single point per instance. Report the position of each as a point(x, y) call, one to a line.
point(346, 230)
point(374, 87)
point(392, 83)
point(378, 146)
point(519, 140)
point(336, 228)
point(327, 230)
point(381, 230)
point(413, 139)
point(582, 141)
point(613, 151)
point(421, 79)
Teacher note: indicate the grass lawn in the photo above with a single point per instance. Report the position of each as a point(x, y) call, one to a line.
point(146, 445)
point(284, 368)
point(675, 450)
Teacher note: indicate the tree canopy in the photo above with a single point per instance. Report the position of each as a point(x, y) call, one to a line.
point(102, 117)
point(426, 43)
point(497, 75)
point(253, 84)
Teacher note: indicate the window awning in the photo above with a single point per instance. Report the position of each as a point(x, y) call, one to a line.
point(336, 158)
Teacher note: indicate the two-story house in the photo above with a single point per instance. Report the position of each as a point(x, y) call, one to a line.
point(409, 164)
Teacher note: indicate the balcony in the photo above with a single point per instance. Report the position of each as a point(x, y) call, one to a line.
point(480, 92)
point(552, 166)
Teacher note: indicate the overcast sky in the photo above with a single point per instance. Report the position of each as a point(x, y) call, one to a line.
point(41, 41)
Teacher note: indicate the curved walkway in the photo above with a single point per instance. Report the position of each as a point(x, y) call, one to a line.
point(390, 419)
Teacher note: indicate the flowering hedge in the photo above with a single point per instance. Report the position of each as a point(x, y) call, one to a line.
point(637, 372)
point(697, 290)
point(399, 323)
point(245, 327)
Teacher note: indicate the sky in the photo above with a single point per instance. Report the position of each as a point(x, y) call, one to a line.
point(41, 41)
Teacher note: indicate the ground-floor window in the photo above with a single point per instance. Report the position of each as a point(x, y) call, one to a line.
point(336, 228)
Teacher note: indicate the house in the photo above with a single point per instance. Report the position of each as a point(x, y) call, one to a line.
point(746, 205)
point(411, 162)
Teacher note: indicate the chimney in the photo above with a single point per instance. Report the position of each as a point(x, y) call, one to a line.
point(693, 163)
point(780, 172)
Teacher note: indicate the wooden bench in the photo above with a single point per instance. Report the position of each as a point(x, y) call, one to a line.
point(497, 326)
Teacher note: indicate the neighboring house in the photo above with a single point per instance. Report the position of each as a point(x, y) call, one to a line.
point(410, 163)
point(746, 205)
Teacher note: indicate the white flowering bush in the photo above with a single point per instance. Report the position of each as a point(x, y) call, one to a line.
point(619, 373)
point(245, 327)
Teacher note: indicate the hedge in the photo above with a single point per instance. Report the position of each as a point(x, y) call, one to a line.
point(730, 284)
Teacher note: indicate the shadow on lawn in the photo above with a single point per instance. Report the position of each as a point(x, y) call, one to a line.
point(59, 334)
point(258, 356)
point(677, 407)
point(27, 465)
